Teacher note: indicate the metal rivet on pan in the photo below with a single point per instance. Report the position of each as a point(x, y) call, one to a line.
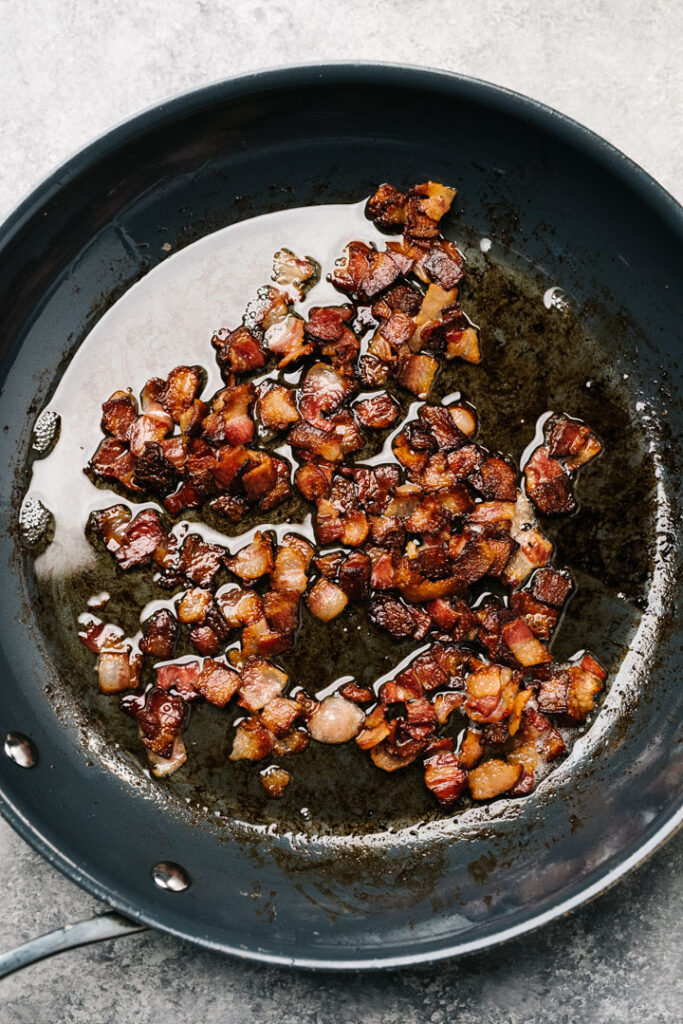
point(46, 431)
point(170, 876)
point(20, 749)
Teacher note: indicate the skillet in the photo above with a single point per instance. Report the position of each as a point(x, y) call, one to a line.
point(358, 873)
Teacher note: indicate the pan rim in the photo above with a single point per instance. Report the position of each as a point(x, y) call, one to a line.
point(551, 122)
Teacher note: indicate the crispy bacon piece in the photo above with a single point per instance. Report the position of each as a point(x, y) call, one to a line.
point(378, 412)
point(416, 374)
point(153, 471)
point(398, 619)
point(252, 741)
point(286, 339)
point(136, 543)
point(462, 343)
point(217, 683)
point(119, 413)
point(443, 264)
point(199, 562)
point(527, 649)
point(537, 742)
point(363, 272)
point(445, 704)
point(280, 714)
point(261, 683)
point(230, 422)
point(445, 777)
point(293, 558)
point(552, 694)
point(118, 670)
point(354, 575)
point(387, 207)
point(493, 778)
point(491, 692)
point(547, 484)
point(161, 720)
point(102, 636)
point(495, 480)
point(326, 600)
point(237, 351)
point(551, 586)
point(259, 638)
point(182, 387)
point(540, 618)
point(323, 390)
point(161, 635)
point(373, 372)
point(571, 440)
point(314, 442)
point(194, 605)
point(113, 461)
point(452, 616)
point(254, 560)
point(586, 680)
point(281, 609)
point(276, 408)
point(295, 742)
point(358, 694)
point(297, 273)
point(328, 327)
point(375, 729)
point(238, 606)
point(472, 749)
point(275, 781)
point(161, 767)
point(181, 677)
point(427, 204)
point(335, 720)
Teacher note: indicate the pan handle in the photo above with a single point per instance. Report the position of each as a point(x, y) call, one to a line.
point(104, 926)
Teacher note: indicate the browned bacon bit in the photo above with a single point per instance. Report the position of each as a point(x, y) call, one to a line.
point(492, 778)
point(180, 677)
point(161, 635)
point(297, 273)
point(586, 680)
point(388, 208)
point(275, 781)
point(358, 694)
point(326, 600)
point(547, 484)
point(253, 561)
point(399, 619)
point(237, 351)
point(261, 683)
point(252, 741)
point(161, 720)
point(276, 408)
point(413, 541)
point(445, 777)
point(113, 461)
point(378, 412)
point(118, 414)
point(118, 670)
point(416, 374)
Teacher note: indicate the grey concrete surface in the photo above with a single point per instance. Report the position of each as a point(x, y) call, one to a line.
point(68, 71)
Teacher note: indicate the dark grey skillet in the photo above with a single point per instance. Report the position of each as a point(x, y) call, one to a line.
point(356, 887)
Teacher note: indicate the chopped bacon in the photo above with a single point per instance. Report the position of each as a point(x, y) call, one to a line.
point(181, 677)
point(238, 351)
point(443, 264)
point(113, 461)
point(252, 741)
point(118, 670)
point(276, 408)
point(194, 605)
point(298, 273)
point(335, 720)
point(161, 635)
point(259, 638)
point(388, 208)
point(427, 204)
point(445, 777)
point(445, 704)
point(527, 649)
point(472, 748)
point(161, 767)
point(462, 343)
point(260, 477)
point(102, 636)
point(354, 575)
point(199, 562)
point(135, 544)
point(358, 694)
point(375, 729)
point(261, 683)
point(280, 714)
point(217, 683)
point(183, 384)
point(492, 778)
point(398, 619)
point(491, 692)
point(495, 480)
point(540, 618)
point(573, 441)
point(281, 609)
point(551, 586)
point(253, 561)
point(289, 573)
point(363, 272)
point(161, 720)
point(312, 441)
point(586, 680)
point(377, 412)
point(118, 414)
point(416, 374)
point(547, 484)
point(323, 390)
point(286, 339)
point(326, 600)
point(373, 372)
point(275, 781)
point(229, 422)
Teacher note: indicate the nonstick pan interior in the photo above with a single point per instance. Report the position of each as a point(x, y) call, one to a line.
point(370, 874)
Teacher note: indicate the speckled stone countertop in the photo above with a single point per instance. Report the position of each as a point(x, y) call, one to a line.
point(70, 70)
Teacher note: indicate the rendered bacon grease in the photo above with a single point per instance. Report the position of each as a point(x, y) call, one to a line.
point(407, 539)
